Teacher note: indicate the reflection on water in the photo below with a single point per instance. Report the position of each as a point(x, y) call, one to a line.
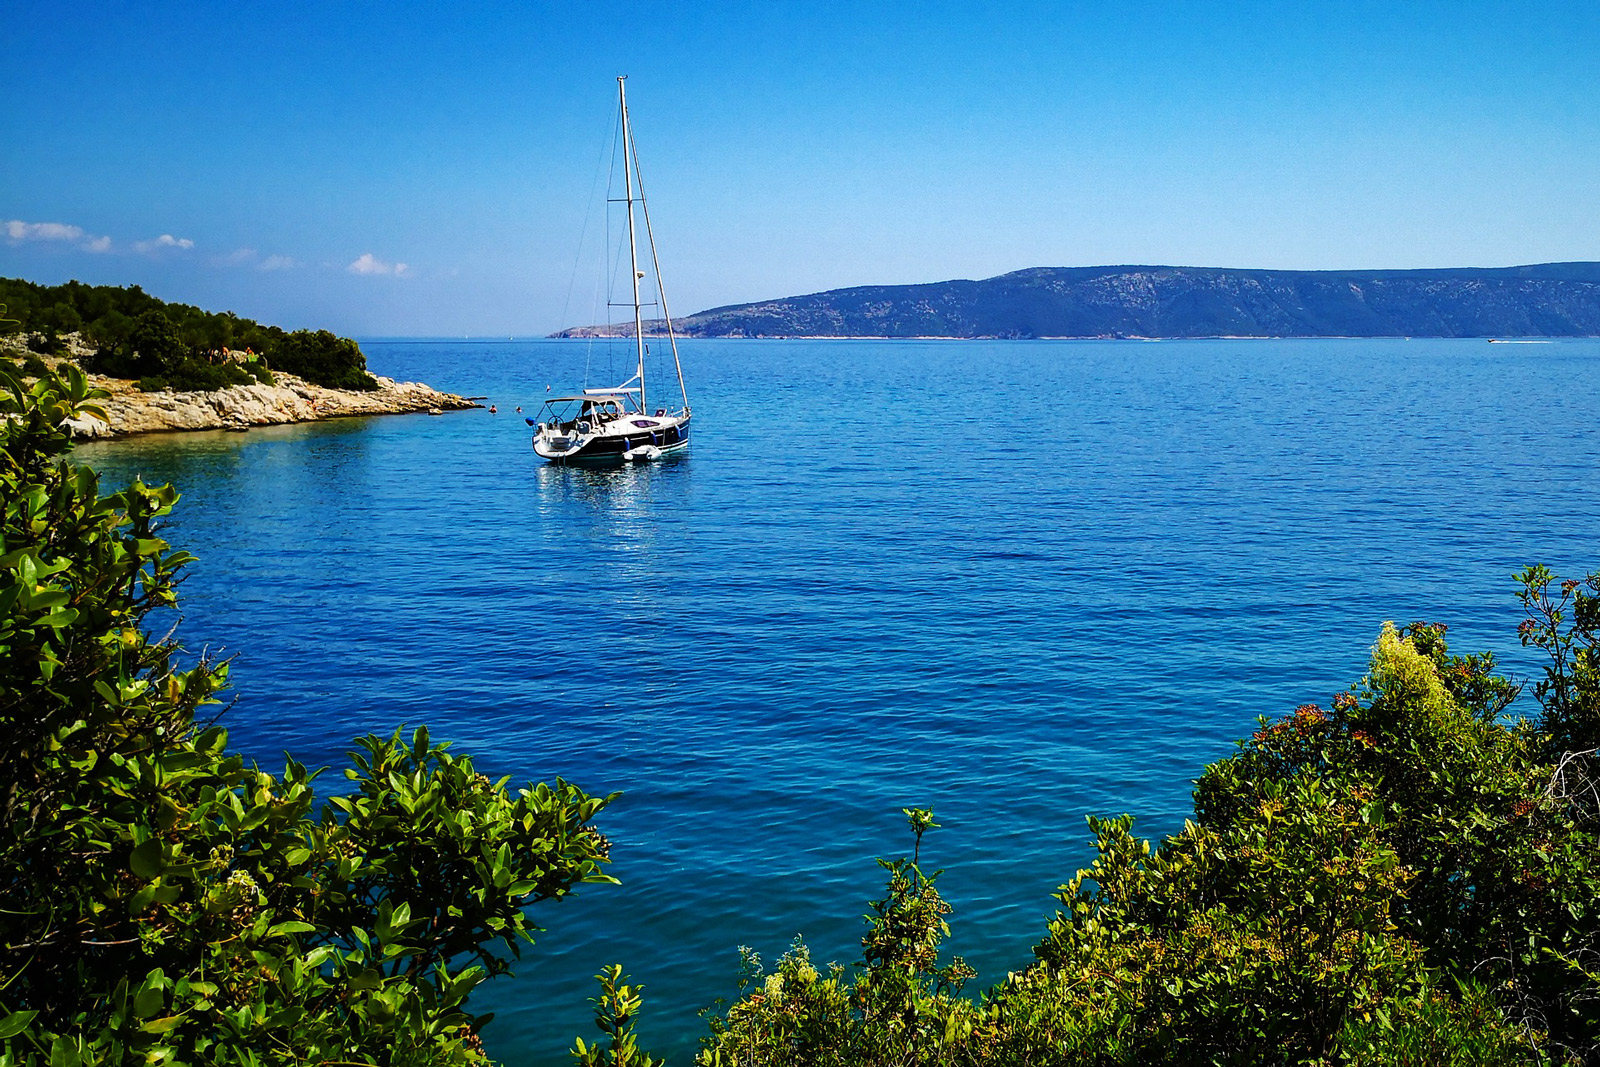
point(631, 506)
point(627, 515)
point(258, 459)
point(630, 485)
point(209, 442)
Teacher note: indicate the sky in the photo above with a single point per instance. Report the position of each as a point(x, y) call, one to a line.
point(400, 169)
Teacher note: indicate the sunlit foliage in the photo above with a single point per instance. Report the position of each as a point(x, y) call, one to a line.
point(163, 346)
point(1406, 877)
point(166, 902)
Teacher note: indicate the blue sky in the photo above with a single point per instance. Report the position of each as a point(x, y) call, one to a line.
point(296, 156)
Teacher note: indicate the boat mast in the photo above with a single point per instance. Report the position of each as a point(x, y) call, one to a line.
point(633, 249)
point(661, 286)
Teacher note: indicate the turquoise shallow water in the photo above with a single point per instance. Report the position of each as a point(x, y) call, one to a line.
point(1017, 582)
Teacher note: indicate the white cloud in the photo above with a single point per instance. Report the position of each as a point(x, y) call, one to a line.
point(241, 257)
point(371, 264)
point(166, 240)
point(17, 231)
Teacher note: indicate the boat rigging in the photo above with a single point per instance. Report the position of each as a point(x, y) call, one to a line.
point(602, 427)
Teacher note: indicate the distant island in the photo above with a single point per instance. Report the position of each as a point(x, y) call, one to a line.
point(1540, 300)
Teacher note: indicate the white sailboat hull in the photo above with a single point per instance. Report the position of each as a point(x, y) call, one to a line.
point(631, 439)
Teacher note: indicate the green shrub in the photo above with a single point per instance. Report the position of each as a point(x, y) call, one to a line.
point(165, 901)
point(198, 376)
point(615, 1010)
point(135, 336)
point(106, 315)
point(1407, 877)
point(322, 358)
point(1567, 628)
point(902, 1006)
point(34, 367)
point(113, 363)
point(47, 343)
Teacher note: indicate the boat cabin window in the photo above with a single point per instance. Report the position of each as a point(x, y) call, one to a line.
point(567, 411)
point(604, 410)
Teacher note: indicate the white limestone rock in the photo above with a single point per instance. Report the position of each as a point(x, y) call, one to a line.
point(130, 411)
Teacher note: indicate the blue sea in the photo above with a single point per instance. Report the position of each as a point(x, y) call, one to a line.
point(1016, 582)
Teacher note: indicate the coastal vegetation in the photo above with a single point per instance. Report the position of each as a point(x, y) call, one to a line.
point(1406, 877)
point(1410, 875)
point(322, 358)
point(130, 334)
point(167, 902)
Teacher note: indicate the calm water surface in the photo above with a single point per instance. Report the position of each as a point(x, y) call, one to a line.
point(1017, 582)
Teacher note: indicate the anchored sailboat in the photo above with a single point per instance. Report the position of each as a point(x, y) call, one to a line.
point(602, 427)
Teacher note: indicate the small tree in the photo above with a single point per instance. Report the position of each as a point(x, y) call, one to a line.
point(903, 1007)
point(61, 317)
point(322, 358)
point(1565, 623)
point(157, 345)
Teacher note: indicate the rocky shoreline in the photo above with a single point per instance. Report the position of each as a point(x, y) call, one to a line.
point(130, 411)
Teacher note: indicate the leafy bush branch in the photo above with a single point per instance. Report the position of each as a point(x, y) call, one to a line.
point(1405, 877)
point(165, 901)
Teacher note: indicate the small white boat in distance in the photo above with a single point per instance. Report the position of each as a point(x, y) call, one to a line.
point(604, 427)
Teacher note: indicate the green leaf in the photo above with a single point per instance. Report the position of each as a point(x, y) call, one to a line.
point(63, 1054)
point(148, 1000)
point(367, 979)
point(318, 956)
point(15, 1023)
point(58, 619)
point(147, 860)
point(161, 1026)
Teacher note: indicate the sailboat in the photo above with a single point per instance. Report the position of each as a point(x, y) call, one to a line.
point(606, 427)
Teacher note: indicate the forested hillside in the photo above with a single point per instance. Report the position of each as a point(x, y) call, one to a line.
point(130, 334)
point(107, 314)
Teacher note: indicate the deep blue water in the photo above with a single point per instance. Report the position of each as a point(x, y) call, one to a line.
point(1017, 582)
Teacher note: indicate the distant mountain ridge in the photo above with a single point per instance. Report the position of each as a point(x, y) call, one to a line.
point(1539, 300)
